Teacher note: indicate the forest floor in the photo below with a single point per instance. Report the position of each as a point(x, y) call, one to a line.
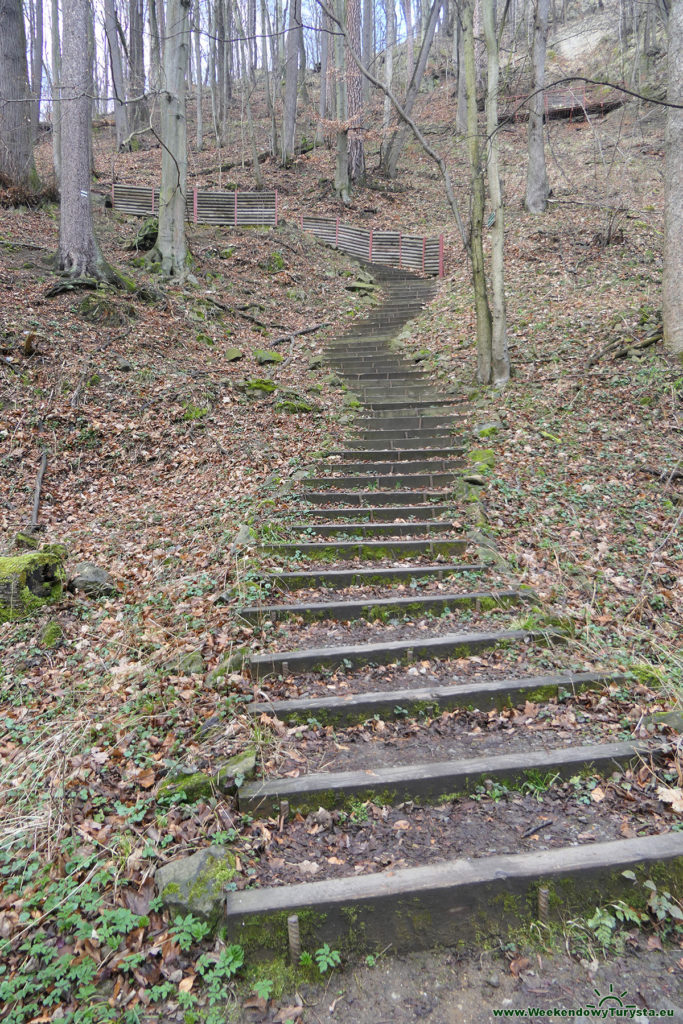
point(157, 456)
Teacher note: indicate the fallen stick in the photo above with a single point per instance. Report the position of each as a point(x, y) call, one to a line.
point(39, 483)
point(297, 334)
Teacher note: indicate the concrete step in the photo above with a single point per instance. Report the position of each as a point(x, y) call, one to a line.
point(437, 479)
point(335, 578)
point(371, 499)
point(427, 782)
point(369, 549)
point(383, 514)
point(394, 466)
point(397, 442)
point(418, 606)
point(407, 423)
point(450, 645)
point(379, 455)
point(423, 529)
point(351, 708)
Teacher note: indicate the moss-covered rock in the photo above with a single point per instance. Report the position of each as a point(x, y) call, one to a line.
point(265, 356)
point(257, 387)
point(51, 634)
point(26, 540)
point(198, 884)
point(189, 663)
point(233, 663)
point(28, 582)
point(482, 457)
point(234, 354)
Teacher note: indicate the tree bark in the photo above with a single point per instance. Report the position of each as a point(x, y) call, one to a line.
point(398, 139)
point(461, 112)
point(154, 46)
point(16, 137)
point(341, 176)
point(139, 111)
point(368, 45)
point(198, 84)
point(408, 15)
point(291, 75)
point(673, 217)
point(390, 13)
point(56, 112)
point(355, 96)
point(324, 65)
point(37, 72)
point(536, 199)
point(171, 244)
point(481, 302)
point(499, 342)
point(79, 254)
point(120, 112)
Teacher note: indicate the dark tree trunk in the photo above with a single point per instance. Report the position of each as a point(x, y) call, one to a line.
point(16, 142)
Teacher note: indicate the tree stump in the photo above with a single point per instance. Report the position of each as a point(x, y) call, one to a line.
point(29, 581)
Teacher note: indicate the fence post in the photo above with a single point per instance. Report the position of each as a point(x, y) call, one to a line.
point(194, 204)
point(440, 255)
point(152, 200)
point(112, 193)
point(336, 233)
point(370, 247)
point(275, 207)
point(400, 244)
point(424, 248)
point(235, 209)
point(302, 221)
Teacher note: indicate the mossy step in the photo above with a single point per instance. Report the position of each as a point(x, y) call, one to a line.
point(305, 579)
point(399, 466)
point(433, 700)
point(401, 479)
point(400, 441)
point(382, 514)
point(427, 782)
point(409, 423)
point(369, 549)
point(448, 903)
point(423, 529)
point(450, 645)
point(378, 455)
point(394, 375)
point(418, 605)
point(371, 499)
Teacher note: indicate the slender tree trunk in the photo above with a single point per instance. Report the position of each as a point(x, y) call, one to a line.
point(139, 112)
point(79, 254)
point(270, 79)
point(408, 15)
point(171, 244)
point(16, 136)
point(390, 13)
point(37, 72)
point(154, 46)
point(461, 113)
point(368, 47)
point(398, 139)
point(673, 218)
point(341, 177)
point(246, 83)
point(120, 112)
point(291, 72)
point(355, 95)
point(56, 62)
point(499, 343)
point(536, 199)
point(481, 302)
point(324, 65)
point(198, 84)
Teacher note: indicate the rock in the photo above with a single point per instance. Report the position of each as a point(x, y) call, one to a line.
point(197, 885)
point(233, 354)
point(233, 663)
point(191, 663)
point(420, 355)
point(321, 817)
point(316, 362)
point(474, 479)
point(244, 538)
point(264, 356)
point(57, 549)
point(258, 387)
point(93, 581)
point(673, 719)
point(294, 405)
point(493, 980)
point(183, 780)
point(489, 428)
point(483, 457)
point(26, 540)
point(123, 364)
point(29, 581)
point(51, 634)
point(232, 773)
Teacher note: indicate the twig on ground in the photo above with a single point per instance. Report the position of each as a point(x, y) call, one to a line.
point(297, 334)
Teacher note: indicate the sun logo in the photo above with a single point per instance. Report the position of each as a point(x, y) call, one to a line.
point(611, 998)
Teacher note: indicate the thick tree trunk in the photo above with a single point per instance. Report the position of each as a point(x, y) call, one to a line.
point(139, 111)
point(368, 44)
point(536, 199)
point(341, 176)
point(324, 67)
point(499, 343)
point(120, 112)
point(291, 74)
point(673, 245)
point(408, 15)
point(393, 151)
point(154, 46)
point(171, 244)
point(56, 112)
point(270, 79)
point(79, 254)
point(198, 84)
point(390, 13)
point(16, 137)
point(481, 302)
point(355, 95)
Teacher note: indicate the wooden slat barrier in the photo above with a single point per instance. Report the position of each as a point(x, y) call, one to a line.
point(235, 208)
point(392, 248)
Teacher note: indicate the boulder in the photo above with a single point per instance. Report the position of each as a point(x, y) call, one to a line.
point(263, 357)
point(93, 581)
point(198, 884)
point(29, 581)
point(190, 663)
point(233, 354)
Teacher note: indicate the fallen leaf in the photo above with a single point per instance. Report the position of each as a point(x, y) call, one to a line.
point(187, 983)
point(597, 795)
point(521, 963)
point(401, 825)
point(654, 942)
point(309, 867)
point(671, 796)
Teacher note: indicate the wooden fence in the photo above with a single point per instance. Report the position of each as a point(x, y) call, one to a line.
point(234, 208)
point(573, 104)
point(392, 248)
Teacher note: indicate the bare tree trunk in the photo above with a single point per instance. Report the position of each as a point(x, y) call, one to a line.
point(246, 83)
point(341, 176)
point(393, 151)
point(291, 73)
point(154, 46)
point(270, 79)
point(499, 343)
point(56, 89)
point(79, 254)
point(198, 84)
point(120, 112)
point(536, 199)
point(390, 13)
point(139, 112)
point(324, 65)
point(461, 113)
point(481, 302)
point(37, 72)
point(408, 15)
point(16, 137)
point(355, 96)
point(368, 47)
point(673, 246)
point(171, 244)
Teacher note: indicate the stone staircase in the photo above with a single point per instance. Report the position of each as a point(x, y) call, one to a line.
point(390, 834)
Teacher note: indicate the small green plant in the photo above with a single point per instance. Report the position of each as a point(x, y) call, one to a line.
point(327, 958)
point(263, 988)
point(188, 930)
point(306, 960)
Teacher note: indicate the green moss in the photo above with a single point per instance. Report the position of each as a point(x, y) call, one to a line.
point(293, 406)
point(52, 634)
point(264, 356)
point(28, 582)
point(483, 456)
